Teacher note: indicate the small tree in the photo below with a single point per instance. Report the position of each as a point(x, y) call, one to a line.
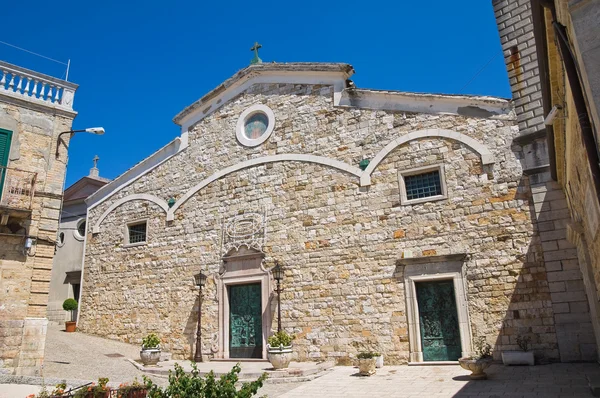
point(70, 305)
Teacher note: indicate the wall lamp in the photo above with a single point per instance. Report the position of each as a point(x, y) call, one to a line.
point(549, 120)
point(91, 130)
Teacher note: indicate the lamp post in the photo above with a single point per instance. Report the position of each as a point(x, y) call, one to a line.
point(91, 130)
point(278, 275)
point(200, 281)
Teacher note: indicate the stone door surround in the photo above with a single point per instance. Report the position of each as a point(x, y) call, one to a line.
point(421, 269)
point(242, 266)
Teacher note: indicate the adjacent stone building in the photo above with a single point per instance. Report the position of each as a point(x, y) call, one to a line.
point(404, 223)
point(551, 51)
point(34, 110)
point(66, 271)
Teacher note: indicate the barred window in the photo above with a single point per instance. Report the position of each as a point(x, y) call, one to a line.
point(423, 185)
point(137, 232)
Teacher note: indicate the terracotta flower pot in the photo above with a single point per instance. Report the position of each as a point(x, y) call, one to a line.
point(70, 326)
point(476, 366)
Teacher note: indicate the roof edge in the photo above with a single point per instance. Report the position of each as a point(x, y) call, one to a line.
point(342, 69)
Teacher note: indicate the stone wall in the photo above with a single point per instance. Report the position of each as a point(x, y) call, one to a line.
point(340, 243)
point(572, 316)
point(573, 163)
point(24, 279)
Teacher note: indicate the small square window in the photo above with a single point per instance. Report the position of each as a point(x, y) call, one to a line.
point(422, 185)
point(137, 232)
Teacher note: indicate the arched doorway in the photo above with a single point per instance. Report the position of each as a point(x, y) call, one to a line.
point(244, 290)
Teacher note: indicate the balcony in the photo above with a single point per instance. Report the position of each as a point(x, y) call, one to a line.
point(16, 193)
point(36, 89)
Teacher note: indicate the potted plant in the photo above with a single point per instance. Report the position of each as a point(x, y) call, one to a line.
point(94, 391)
point(479, 361)
point(279, 349)
point(133, 390)
point(150, 353)
point(366, 362)
point(70, 305)
point(523, 357)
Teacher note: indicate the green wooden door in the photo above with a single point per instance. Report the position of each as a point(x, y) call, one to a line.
point(5, 138)
point(438, 321)
point(245, 321)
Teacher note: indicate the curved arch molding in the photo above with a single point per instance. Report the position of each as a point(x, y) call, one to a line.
point(365, 176)
point(486, 156)
point(138, 196)
point(293, 157)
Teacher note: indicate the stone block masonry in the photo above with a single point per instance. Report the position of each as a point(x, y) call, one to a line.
point(340, 243)
point(24, 276)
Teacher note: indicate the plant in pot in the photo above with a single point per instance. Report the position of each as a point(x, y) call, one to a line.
point(366, 362)
point(150, 353)
point(94, 391)
point(523, 357)
point(70, 305)
point(279, 349)
point(133, 390)
point(479, 361)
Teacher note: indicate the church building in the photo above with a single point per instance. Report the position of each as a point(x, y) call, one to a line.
point(403, 222)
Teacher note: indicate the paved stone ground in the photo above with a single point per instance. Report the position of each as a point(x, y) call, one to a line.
point(80, 356)
point(547, 381)
point(83, 357)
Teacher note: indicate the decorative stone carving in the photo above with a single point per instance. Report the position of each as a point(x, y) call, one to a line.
point(245, 229)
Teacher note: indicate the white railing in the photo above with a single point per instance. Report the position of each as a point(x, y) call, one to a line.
point(34, 86)
point(17, 188)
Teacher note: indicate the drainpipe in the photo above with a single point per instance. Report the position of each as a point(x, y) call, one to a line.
point(587, 133)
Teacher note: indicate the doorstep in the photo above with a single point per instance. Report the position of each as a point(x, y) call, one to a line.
point(433, 363)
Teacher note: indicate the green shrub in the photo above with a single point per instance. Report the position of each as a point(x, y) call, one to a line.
point(70, 304)
point(182, 385)
point(367, 355)
point(281, 338)
point(150, 341)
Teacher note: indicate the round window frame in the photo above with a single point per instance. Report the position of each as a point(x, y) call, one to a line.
point(240, 132)
point(76, 233)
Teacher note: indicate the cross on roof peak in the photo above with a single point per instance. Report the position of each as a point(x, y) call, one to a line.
point(256, 59)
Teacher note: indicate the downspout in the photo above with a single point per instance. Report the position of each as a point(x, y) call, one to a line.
point(539, 31)
point(579, 101)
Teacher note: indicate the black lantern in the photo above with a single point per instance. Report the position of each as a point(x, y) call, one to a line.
point(200, 280)
point(277, 272)
point(278, 275)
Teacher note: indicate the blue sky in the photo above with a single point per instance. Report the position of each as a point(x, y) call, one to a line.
point(139, 63)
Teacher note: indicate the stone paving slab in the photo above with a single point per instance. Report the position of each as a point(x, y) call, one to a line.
point(547, 381)
point(78, 358)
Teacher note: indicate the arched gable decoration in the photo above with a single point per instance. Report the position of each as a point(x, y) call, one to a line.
point(486, 156)
point(139, 196)
point(336, 164)
point(365, 176)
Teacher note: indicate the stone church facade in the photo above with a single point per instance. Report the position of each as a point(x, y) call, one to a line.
point(403, 221)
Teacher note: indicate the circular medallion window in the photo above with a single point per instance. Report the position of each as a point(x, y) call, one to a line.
point(255, 125)
point(79, 233)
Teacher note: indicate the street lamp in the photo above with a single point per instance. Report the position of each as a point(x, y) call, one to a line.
point(91, 130)
point(278, 275)
point(200, 281)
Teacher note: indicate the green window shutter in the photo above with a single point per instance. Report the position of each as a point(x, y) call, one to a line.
point(5, 137)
